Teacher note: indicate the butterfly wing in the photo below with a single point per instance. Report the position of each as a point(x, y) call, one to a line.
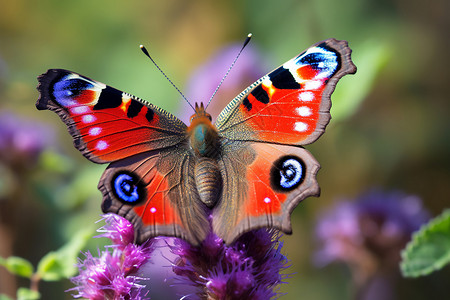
point(156, 192)
point(263, 183)
point(150, 180)
point(106, 124)
point(265, 171)
point(291, 105)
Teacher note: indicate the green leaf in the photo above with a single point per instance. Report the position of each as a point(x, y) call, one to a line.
point(27, 294)
point(60, 264)
point(17, 266)
point(429, 249)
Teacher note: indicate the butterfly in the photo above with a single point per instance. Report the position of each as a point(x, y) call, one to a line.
point(246, 171)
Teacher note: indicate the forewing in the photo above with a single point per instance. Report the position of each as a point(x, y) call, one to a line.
point(290, 105)
point(106, 124)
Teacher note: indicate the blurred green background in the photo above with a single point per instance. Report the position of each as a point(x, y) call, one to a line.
point(390, 125)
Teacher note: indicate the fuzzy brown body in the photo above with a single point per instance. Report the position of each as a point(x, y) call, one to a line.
point(204, 142)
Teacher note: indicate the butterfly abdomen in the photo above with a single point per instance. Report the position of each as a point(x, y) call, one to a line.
point(208, 181)
point(204, 142)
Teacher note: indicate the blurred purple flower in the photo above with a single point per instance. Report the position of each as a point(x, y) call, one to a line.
point(21, 139)
point(114, 274)
point(369, 232)
point(206, 78)
point(247, 269)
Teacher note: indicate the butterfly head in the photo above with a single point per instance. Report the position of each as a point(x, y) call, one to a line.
point(200, 112)
point(203, 135)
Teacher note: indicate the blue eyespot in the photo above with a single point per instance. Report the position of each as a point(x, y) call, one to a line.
point(126, 188)
point(287, 173)
point(320, 59)
point(291, 173)
point(66, 89)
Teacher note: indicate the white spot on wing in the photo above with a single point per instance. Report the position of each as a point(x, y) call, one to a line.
point(67, 102)
point(290, 65)
point(312, 84)
point(98, 85)
point(77, 110)
point(303, 111)
point(152, 210)
point(267, 200)
point(88, 119)
point(300, 126)
point(95, 131)
point(101, 145)
point(306, 96)
point(266, 81)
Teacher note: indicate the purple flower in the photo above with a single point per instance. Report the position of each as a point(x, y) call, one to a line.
point(247, 269)
point(22, 140)
point(114, 274)
point(369, 232)
point(119, 230)
point(207, 77)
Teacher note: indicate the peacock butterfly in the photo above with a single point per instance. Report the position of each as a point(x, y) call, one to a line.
point(247, 171)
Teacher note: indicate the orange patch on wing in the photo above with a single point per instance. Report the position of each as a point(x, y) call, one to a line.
point(278, 119)
point(86, 97)
point(269, 89)
point(262, 200)
point(306, 72)
point(157, 210)
point(125, 103)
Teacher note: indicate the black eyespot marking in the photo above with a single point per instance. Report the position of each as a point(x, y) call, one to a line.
point(128, 188)
point(247, 104)
point(109, 98)
point(287, 173)
point(149, 115)
point(261, 95)
point(134, 109)
point(315, 60)
point(282, 79)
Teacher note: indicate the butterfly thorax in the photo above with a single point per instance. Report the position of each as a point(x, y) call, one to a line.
point(204, 141)
point(203, 136)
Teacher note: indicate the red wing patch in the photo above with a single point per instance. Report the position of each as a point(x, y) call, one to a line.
point(157, 209)
point(263, 183)
point(154, 192)
point(265, 201)
point(106, 124)
point(290, 105)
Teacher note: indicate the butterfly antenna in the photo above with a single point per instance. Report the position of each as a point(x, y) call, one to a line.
point(247, 40)
point(156, 65)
